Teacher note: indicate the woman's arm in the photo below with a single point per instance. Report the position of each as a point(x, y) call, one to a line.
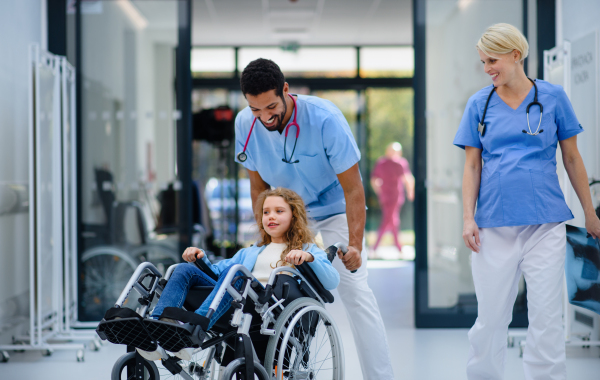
point(470, 192)
point(579, 179)
point(409, 184)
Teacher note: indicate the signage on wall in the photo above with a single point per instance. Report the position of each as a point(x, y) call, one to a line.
point(584, 97)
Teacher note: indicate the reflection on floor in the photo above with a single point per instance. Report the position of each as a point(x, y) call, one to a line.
point(424, 354)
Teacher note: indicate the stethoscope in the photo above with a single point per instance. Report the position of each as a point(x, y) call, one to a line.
point(242, 156)
point(481, 127)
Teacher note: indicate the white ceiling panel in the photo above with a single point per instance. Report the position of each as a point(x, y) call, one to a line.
point(307, 22)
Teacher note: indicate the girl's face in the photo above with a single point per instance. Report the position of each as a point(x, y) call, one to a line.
point(502, 68)
point(276, 219)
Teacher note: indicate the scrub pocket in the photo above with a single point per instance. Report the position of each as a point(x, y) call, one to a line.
point(314, 175)
point(489, 203)
point(549, 199)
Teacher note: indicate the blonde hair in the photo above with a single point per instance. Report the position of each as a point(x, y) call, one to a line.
point(298, 234)
point(503, 39)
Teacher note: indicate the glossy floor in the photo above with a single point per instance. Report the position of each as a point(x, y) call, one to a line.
point(431, 354)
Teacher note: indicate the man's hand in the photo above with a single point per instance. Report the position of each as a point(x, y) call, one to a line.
point(352, 259)
point(297, 257)
point(191, 253)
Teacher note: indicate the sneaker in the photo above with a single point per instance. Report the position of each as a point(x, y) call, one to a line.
point(152, 355)
point(185, 354)
point(171, 321)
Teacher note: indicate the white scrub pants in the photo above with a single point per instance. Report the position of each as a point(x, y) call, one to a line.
point(360, 303)
point(537, 251)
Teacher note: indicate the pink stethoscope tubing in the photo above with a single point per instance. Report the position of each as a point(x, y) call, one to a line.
point(287, 129)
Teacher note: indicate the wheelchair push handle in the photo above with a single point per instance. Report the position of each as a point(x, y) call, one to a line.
point(332, 251)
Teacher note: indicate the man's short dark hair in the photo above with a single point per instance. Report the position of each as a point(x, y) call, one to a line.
point(260, 76)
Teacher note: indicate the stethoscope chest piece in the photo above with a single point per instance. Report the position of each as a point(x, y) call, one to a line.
point(242, 156)
point(481, 129)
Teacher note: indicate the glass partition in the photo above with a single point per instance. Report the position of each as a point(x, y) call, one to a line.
point(453, 73)
point(129, 184)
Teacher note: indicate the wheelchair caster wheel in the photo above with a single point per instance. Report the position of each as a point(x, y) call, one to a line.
point(80, 356)
point(94, 345)
point(510, 342)
point(47, 352)
point(4, 356)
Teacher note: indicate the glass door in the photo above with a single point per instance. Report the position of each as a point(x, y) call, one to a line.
point(448, 72)
point(130, 111)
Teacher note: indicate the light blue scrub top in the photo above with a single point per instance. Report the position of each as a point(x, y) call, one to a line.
point(325, 148)
point(519, 185)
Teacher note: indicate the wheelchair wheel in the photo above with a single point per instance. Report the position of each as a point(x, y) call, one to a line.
point(105, 272)
point(235, 371)
point(119, 371)
point(306, 344)
point(202, 366)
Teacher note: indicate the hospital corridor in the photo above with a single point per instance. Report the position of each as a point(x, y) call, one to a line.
point(300, 189)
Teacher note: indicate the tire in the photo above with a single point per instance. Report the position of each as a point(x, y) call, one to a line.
point(105, 273)
point(239, 365)
point(119, 371)
point(314, 348)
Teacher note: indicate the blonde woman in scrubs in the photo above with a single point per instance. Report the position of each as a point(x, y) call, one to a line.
point(519, 225)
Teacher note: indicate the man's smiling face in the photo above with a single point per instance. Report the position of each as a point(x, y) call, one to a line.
point(269, 108)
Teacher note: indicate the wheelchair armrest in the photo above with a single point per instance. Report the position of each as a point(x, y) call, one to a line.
point(311, 277)
point(206, 269)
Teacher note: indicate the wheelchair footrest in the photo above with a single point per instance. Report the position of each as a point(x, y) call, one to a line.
point(175, 337)
point(129, 331)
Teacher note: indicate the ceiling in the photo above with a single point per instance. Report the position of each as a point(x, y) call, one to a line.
point(305, 22)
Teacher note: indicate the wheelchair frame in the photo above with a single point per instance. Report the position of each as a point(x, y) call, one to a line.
point(240, 320)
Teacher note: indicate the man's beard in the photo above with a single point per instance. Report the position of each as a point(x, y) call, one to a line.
point(280, 117)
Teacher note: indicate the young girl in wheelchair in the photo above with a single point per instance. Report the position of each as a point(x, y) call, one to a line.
point(285, 240)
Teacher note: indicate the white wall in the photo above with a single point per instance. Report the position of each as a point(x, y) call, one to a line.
point(577, 19)
point(19, 27)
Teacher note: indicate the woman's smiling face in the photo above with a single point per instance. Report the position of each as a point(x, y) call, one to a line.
point(276, 218)
point(501, 68)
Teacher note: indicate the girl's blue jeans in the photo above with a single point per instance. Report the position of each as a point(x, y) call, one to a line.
point(186, 276)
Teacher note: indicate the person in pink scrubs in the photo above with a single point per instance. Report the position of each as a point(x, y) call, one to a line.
point(390, 177)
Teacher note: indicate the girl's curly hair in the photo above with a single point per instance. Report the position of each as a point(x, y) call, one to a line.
point(298, 234)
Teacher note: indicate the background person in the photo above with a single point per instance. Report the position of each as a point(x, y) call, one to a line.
point(519, 226)
point(390, 177)
point(317, 157)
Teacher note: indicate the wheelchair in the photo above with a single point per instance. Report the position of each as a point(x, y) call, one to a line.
point(279, 331)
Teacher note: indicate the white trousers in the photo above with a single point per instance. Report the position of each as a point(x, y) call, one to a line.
point(360, 303)
point(537, 251)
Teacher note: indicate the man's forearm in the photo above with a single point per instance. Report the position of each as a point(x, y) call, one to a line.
point(357, 216)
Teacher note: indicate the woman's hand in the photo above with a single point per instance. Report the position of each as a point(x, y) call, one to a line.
point(191, 253)
point(592, 225)
point(471, 235)
point(297, 257)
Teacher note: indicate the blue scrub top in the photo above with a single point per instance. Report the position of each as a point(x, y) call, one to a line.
point(519, 185)
point(325, 148)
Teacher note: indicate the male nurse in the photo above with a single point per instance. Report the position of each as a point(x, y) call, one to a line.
point(304, 143)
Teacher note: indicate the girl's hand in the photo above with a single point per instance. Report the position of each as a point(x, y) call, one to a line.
point(297, 257)
point(471, 235)
point(592, 225)
point(191, 253)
